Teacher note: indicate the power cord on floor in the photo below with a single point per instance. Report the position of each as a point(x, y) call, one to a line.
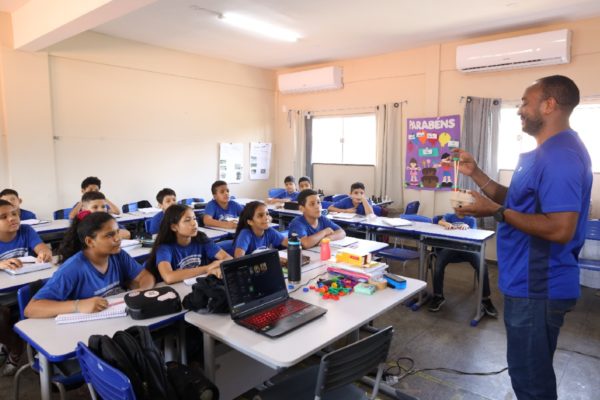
point(403, 371)
point(578, 352)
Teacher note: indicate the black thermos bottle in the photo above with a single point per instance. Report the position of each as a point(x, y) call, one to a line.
point(294, 253)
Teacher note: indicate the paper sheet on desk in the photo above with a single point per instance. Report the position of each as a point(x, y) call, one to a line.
point(347, 241)
point(30, 264)
point(149, 210)
point(396, 221)
point(129, 243)
point(34, 222)
point(342, 215)
point(116, 309)
point(192, 280)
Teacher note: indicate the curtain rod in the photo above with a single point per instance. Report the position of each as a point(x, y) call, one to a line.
point(349, 108)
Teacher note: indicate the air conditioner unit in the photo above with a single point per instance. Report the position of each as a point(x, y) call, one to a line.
point(546, 48)
point(312, 80)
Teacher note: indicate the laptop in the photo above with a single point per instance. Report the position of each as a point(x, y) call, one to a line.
point(258, 297)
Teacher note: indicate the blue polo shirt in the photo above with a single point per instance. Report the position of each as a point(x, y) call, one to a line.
point(154, 224)
point(77, 278)
point(285, 195)
point(190, 256)
point(302, 228)
point(346, 203)
point(22, 245)
point(233, 210)
point(249, 242)
point(24, 214)
point(555, 177)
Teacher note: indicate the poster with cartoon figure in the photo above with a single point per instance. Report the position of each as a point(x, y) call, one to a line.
point(429, 142)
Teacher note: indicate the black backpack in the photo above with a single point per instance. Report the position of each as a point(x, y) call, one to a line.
point(133, 352)
point(209, 293)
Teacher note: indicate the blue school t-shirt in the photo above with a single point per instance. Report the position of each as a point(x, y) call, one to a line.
point(213, 209)
point(555, 177)
point(154, 224)
point(22, 245)
point(77, 278)
point(302, 228)
point(190, 256)
point(455, 219)
point(346, 203)
point(249, 242)
point(285, 195)
point(24, 214)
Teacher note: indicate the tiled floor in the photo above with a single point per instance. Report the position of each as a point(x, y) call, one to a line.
point(445, 339)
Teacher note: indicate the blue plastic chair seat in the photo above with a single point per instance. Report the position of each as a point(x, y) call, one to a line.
point(399, 253)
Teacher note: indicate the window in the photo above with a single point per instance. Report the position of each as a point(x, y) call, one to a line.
point(512, 141)
point(344, 140)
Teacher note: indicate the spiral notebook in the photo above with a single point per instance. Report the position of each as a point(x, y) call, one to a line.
point(116, 309)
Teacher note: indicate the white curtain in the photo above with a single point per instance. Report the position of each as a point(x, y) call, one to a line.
point(297, 122)
point(388, 168)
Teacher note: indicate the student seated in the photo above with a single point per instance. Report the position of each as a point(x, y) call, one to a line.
point(96, 202)
point(311, 226)
point(304, 183)
point(94, 267)
point(290, 194)
point(166, 198)
point(358, 202)
point(447, 256)
point(16, 240)
point(13, 198)
point(92, 184)
point(220, 211)
point(254, 233)
point(180, 251)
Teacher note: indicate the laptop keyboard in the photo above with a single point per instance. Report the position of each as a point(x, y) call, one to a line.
point(264, 319)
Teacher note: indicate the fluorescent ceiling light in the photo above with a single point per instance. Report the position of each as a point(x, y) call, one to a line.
point(259, 27)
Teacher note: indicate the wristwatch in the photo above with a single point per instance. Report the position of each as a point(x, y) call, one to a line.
point(499, 214)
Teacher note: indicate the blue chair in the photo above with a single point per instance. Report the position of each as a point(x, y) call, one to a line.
point(412, 208)
point(135, 206)
point(326, 204)
point(328, 198)
point(589, 257)
point(191, 200)
point(102, 378)
point(147, 224)
point(276, 192)
point(62, 214)
point(227, 245)
point(400, 253)
point(61, 381)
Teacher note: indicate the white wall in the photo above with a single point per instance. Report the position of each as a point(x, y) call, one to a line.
point(137, 116)
point(336, 179)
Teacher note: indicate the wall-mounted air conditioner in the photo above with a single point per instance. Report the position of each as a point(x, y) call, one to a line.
point(312, 80)
point(546, 48)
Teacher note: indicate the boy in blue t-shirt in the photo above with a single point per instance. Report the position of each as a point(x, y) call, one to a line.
point(304, 183)
point(290, 193)
point(16, 240)
point(13, 198)
point(92, 184)
point(447, 256)
point(358, 202)
point(96, 202)
point(312, 227)
point(221, 212)
point(166, 198)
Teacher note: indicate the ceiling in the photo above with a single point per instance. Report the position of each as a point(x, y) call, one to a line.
point(330, 29)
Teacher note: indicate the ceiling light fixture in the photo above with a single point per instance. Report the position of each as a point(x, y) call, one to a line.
point(259, 27)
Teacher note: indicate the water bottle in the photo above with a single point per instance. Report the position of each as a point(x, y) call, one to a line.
point(294, 253)
point(325, 249)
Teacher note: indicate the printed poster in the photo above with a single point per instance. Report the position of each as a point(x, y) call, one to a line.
point(231, 162)
point(260, 160)
point(429, 141)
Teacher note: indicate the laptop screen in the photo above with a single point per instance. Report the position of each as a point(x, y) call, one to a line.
point(253, 280)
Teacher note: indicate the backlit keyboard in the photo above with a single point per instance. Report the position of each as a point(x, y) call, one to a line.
point(265, 319)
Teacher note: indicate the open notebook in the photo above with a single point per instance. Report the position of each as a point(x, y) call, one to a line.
point(33, 222)
point(116, 309)
point(396, 221)
point(30, 264)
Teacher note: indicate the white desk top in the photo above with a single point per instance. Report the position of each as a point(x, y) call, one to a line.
point(56, 225)
point(360, 246)
point(342, 317)
point(232, 230)
point(58, 342)
point(214, 233)
point(9, 283)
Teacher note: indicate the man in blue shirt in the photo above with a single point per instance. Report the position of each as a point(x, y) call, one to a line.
point(312, 227)
point(542, 216)
point(13, 198)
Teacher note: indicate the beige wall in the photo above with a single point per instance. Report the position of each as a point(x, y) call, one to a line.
point(428, 80)
point(139, 117)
